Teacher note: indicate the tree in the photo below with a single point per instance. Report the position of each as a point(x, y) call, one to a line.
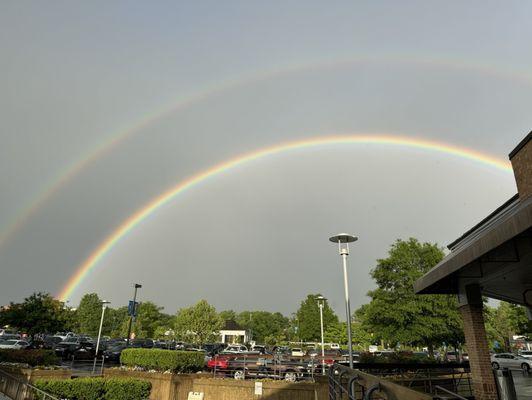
point(308, 318)
point(228, 315)
point(89, 313)
point(150, 317)
point(263, 325)
point(396, 313)
point(199, 323)
point(38, 313)
point(114, 320)
point(505, 321)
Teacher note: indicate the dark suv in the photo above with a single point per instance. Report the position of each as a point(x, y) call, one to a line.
point(77, 347)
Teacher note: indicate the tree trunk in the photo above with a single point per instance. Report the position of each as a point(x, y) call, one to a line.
point(431, 350)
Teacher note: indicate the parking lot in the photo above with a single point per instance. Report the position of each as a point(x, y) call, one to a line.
point(523, 385)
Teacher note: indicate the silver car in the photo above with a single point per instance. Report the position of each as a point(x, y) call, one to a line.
point(510, 361)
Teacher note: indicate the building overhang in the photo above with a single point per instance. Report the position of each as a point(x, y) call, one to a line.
point(496, 254)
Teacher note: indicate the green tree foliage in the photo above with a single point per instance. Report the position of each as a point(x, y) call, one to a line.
point(505, 321)
point(396, 314)
point(308, 318)
point(228, 315)
point(38, 313)
point(114, 320)
point(150, 317)
point(264, 325)
point(199, 323)
point(89, 313)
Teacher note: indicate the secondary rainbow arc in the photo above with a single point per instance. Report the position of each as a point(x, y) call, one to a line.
point(156, 203)
point(55, 184)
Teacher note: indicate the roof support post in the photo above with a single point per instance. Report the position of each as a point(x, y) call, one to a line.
point(470, 306)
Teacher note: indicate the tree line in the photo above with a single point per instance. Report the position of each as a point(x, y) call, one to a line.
point(394, 316)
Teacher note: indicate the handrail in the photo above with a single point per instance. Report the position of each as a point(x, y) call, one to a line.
point(437, 387)
point(24, 383)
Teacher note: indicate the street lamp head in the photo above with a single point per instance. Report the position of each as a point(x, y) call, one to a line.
point(343, 240)
point(321, 300)
point(105, 302)
point(138, 285)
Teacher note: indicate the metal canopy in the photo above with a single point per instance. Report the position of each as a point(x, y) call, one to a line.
point(496, 254)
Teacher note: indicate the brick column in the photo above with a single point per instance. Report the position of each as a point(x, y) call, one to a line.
point(477, 344)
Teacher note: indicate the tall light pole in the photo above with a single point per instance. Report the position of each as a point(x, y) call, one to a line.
point(321, 303)
point(133, 312)
point(104, 306)
point(343, 240)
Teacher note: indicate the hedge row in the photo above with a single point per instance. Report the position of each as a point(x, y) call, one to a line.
point(96, 389)
point(34, 358)
point(163, 360)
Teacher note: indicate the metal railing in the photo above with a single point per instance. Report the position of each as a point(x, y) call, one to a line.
point(351, 384)
point(265, 367)
point(18, 389)
point(453, 377)
point(448, 392)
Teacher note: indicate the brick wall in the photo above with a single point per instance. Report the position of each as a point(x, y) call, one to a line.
point(522, 166)
point(479, 357)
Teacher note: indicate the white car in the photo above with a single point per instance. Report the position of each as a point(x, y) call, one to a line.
point(526, 354)
point(14, 344)
point(510, 361)
point(297, 352)
point(236, 348)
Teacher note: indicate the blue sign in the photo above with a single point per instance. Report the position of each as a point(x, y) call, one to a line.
point(132, 308)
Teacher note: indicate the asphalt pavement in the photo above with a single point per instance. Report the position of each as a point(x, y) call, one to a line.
point(523, 385)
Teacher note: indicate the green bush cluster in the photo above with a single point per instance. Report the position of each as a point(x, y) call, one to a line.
point(163, 360)
point(32, 357)
point(96, 389)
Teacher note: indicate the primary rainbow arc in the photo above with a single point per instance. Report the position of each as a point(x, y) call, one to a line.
point(135, 219)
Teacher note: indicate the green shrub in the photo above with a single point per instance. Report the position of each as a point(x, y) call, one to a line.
point(163, 360)
point(30, 356)
point(127, 389)
point(96, 388)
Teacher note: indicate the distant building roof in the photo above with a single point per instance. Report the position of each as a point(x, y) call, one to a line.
point(231, 325)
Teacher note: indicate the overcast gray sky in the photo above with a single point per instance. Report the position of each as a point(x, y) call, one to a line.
point(74, 75)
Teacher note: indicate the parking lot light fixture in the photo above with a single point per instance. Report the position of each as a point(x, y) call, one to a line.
point(321, 302)
point(343, 240)
point(104, 306)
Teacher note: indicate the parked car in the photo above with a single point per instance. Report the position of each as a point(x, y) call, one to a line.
point(10, 336)
point(4, 332)
point(213, 348)
point(263, 367)
point(526, 353)
point(335, 346)
point(510, 361)
point(14, 344)
point(451, 356)
point(77, 347)
point(141, 343)
point(297, 352)
point(259, 348)
point(236, 348)
point(112, 353)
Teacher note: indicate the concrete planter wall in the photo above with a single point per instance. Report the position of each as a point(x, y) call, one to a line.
point(177, 387)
